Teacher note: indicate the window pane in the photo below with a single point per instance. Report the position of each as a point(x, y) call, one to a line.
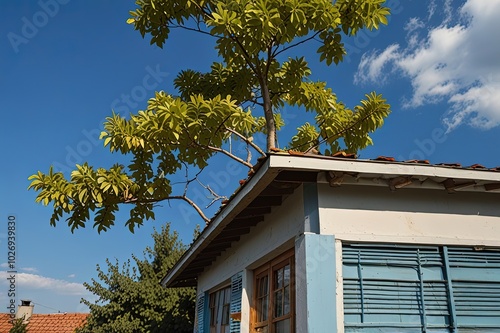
point(262, 308)
point(278, 278)
point(287, 275)
point(278, 303)
point(286, 306)
point(225, 314)
point(263, 286)
point(282, 326)
point(262, 298)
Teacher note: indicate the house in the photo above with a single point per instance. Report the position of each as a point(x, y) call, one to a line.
point(43, 323)
point(336, 244)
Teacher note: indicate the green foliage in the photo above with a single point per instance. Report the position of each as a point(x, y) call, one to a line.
point(131, 299)
point(18, 326)
point(239, 98)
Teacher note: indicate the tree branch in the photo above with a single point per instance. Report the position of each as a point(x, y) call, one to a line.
point(234, 157)
point(195, 30)
point(340, 133)
point(247, 140)
point(174, 197)
point(275, 54)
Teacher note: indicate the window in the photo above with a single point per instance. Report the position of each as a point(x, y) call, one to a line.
point(274, 297)
point(219, 310)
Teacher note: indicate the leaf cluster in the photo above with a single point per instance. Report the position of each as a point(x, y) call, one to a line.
point(18, 326)
point(338, 128)
point(170, 133)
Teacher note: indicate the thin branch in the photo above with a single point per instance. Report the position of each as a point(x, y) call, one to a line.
point(234, 157)
point(247, 140)
point(247, 57)
point(249, 154)
point(174, 197)
point(195, 30)
point(216, 197)
point(275, 54)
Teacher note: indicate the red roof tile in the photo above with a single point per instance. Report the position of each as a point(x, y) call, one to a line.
point(48, 323)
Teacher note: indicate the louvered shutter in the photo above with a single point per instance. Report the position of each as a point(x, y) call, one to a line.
point(235, 307)
point(200, 311)
point(475, 277)
point(391, 288)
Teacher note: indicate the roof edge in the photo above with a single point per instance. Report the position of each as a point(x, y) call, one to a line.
point(274, 163)
point(251, 189)
point(326, 163)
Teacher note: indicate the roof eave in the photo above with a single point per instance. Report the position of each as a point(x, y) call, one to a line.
point(275, 163)
point(241, 199)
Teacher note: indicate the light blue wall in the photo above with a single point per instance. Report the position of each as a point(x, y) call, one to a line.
point(315, 283)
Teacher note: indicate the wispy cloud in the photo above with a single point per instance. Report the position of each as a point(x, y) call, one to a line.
point(457, 63)
point(34, 281)
point(29, 269)
point(413, 24)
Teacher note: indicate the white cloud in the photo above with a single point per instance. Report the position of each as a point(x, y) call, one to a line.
point(72, 276)
point(431, 9)
point(413, 24)
point(29, 269)
point(34, 281)
point(455, 63)
point(372, 65)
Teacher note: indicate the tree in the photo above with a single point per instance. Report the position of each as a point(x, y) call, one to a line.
point(238, 99)
point(19, 326)
point(131, 299)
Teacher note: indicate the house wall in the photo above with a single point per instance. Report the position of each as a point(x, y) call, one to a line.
point(266, 240)
point(372, 213)
point(356, 213)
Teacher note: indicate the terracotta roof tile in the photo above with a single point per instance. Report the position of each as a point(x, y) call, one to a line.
point(48, 323)
point(385, 158)
point(453, 165)
point(418, 161)
point(343, 154)
point(476, 166)
point(5, 324)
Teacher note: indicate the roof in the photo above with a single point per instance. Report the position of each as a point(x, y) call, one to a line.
point(279, 174)
point(47, 323)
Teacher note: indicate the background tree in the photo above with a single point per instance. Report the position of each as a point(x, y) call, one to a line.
point(238, 99)
point(131, 299)
point(18, 326)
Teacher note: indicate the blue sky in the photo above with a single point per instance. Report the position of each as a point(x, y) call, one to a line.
point(65, 64)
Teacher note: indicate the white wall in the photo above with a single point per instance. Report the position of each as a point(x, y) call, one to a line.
point(265, 241)
point(361, 213)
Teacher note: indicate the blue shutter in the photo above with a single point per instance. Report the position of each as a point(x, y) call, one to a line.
point(475, 277)
point(390, 288)
point(200, 311)
point(235, 307)
point(398, 288)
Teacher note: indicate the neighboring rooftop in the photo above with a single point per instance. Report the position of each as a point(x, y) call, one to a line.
point(47, 323)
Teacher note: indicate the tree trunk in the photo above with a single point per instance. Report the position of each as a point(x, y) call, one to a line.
point(268, 114)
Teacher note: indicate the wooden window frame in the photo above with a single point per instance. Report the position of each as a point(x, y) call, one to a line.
point(268, 269)
point(213, 305)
